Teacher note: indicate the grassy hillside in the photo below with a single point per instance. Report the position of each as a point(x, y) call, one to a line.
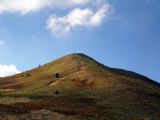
point(78, 87)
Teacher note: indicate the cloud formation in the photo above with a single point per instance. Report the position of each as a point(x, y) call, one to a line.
point(6, 70)
point(26, 6)
point(83, 13)
point(78, 18)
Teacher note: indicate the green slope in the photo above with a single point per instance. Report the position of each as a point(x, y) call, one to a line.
point(78, 85)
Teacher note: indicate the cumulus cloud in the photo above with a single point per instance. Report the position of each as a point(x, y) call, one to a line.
point(6, 70)
point(26, 6)
point(78, 17)
point(83, 13)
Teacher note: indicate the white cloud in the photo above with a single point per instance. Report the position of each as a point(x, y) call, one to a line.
point(2, 42)
point(26, 6)
point(84, 13)
point(6, 70)
point(78, 17)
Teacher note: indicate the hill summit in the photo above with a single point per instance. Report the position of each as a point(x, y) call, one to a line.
point(78, 87)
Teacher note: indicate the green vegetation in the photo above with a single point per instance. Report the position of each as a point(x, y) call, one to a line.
point(77, 85)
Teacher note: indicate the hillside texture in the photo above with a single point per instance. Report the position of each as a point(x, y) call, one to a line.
point(76, 87)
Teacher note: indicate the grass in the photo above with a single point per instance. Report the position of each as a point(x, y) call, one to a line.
point(88, 88)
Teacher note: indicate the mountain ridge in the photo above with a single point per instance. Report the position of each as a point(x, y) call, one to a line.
point(79, 86)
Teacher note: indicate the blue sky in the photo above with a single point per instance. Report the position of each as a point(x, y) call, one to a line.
point(118, 33)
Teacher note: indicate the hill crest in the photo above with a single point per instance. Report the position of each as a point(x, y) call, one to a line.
point(80, 86)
